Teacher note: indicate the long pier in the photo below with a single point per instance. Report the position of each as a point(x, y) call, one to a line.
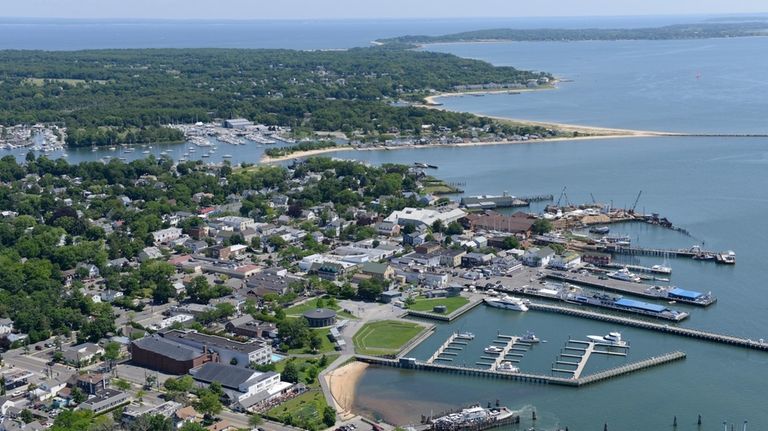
point(637, 289)
point(410, 363)
point(675, 330)
point(504, 351)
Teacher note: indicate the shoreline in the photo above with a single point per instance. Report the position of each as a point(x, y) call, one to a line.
point(342, 383)
point(431, 101)
point(303, 154)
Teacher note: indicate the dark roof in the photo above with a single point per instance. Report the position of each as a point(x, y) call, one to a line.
point(168, 348)
point(320, 313)
point(213, 342)
point(229, 376)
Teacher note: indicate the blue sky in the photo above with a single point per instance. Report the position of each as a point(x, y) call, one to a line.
point(346, 9)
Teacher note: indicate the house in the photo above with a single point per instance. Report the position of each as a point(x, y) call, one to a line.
point(452, 258)
point(266, 282)
point(379, 271)
point(428, 247)
point(237, 223)
point(423, 277)
point(91, 383)
point(568, 260)
point(231, 252)
point(167, 356)
point(82, 353)
point(388, 228)
point(119, 263)
point(229, 352)
point(242, 386)
point(88, 270)
point(167, 409)
point(538, 257)
point(166, 235)
point(471, 260)
point(390, 296)
point(328, 270)
point(150, 253)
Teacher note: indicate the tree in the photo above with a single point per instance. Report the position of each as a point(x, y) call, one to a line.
point(255, 420)
point(290, 373)
point(27, 416)
point(329, 416)
point(192, 426)
point(510, 242)
point(147, 422)
point(541, 226)
point(312, 373)
point(369, 290)
point(437, 226)
point(78, 396)
point(315, 342)
point(294, 332)
point(121, 384)
point(73, 420)
point(208, 403)
point(454, 228)
point(112, 351)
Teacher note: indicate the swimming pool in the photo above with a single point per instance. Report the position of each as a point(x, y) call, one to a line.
point(277, 358)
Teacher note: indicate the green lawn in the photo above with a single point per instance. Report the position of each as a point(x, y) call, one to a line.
point(307, 408)
point(325, 347)
point(451, 304)
point(384, 337)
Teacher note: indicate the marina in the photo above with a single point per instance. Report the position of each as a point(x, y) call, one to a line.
point(411, 363)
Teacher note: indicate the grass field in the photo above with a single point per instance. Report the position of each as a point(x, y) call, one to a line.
point(384, 337)
point(307, 409)
point(452, 304)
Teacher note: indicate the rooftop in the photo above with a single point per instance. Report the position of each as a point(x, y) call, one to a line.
point(320, 313)
point(162, 346)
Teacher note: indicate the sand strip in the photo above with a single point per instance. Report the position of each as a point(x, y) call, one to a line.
point(343, 383)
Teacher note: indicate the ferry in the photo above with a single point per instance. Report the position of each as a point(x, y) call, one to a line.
point(727, 258)
point(623, 274)
point(627, 305)
point(493, 349)
point(507, 302)
point(508, 367)
point(475, 417)
point(601, 230)
point(612, 338)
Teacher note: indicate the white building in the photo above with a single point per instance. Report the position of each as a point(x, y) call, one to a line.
point(425, 216)
point(237, 223)
point(6, 326)
point(166, 235)
point(244, 387)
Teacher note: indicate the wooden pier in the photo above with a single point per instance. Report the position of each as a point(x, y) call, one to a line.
point(590, 348)
point(442, 349)
point(410, 363)
point(676, 330)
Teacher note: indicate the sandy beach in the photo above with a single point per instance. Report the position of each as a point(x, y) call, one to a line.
point(342, 383)
point(431, 101)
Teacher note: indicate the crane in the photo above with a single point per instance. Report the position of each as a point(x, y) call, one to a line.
point(637, 199)
point(563, 195)
point(593, 198)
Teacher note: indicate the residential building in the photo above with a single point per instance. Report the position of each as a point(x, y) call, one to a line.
point(105, 400)
point(379, 271)
point(568, 260)
point(150, 253)
point(82, 353)
point(471, 260)
point(166, 235)
point(6, 326)
point(247, 326)
point(538, 257)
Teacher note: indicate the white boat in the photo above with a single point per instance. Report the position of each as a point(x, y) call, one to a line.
point(145, 152)
point(508, 367)
point(493, 349)
point(623, 274)
point(529, 337)
point(227, 156)
point(612, 338)
point(507, 302)
point(661, 269)
point(466, 335)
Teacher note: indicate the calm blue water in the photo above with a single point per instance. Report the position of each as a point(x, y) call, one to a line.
point(59, 34)
point(712, 86)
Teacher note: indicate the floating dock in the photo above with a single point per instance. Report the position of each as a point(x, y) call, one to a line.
point(411, 363)
point(676, 330)
point(448, 345)
point(589, 348)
